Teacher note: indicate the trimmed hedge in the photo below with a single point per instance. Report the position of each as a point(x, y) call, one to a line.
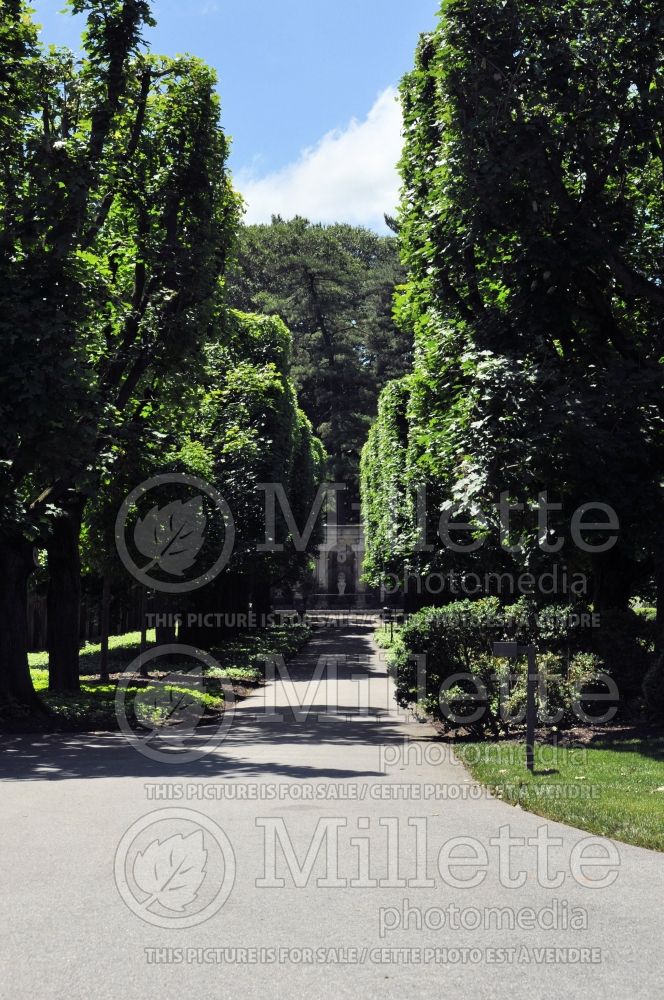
point(466, 686)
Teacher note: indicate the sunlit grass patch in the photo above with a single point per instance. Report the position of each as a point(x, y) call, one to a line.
point(613, 787)
point(155, 701)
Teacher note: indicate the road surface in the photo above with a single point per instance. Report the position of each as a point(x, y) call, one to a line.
point(326, 847)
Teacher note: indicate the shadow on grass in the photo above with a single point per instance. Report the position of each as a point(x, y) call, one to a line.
point(645, 743)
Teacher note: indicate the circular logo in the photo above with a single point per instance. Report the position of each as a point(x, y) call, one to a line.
point(175, 868)
point(171, 536)
point(160, 715)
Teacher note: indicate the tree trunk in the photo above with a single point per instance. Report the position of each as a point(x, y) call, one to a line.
point(261, 598)
point(144, 632)
point(105, 628)
point(165, 635)
point(64, 602)
point(659, 583)
point(17, 693)
point(613, 575)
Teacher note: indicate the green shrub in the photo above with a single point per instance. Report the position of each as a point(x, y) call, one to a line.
point(385, 637)
point(564, 689)
point(458, 640)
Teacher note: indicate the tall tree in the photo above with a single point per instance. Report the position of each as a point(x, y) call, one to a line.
point(333, 286)
point(116, 219)
point(533, 231)
point(247, 419)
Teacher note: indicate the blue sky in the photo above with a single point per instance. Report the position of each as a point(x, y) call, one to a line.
point(308, 93)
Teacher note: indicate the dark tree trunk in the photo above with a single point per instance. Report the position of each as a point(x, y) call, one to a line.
point(105, 628)
point(17, 693)
point(261, 599)
point(613, 575)
point(64, 601)
point(144, 632)
point(165, 635)
point(659, 582)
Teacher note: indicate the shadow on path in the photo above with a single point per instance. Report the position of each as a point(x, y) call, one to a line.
point(321, 721)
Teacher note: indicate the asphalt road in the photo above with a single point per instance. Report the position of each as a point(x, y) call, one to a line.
point(325, 847)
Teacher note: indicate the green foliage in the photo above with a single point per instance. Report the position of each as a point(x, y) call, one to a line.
point(385, 637)
point(117, 216)
point(246, 416)
point(387, 505)
point(250, 650)
point(531, 226)
point(116, 221)
point(333, 287)
point(452, 646)
point(123, 649)
point(237, 426)
point(241, 660)
point(567, 680)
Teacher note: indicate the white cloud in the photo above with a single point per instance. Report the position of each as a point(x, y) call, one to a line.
point(349, 176)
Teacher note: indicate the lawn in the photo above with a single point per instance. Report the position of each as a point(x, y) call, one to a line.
point(613, 787)
point(241, 661)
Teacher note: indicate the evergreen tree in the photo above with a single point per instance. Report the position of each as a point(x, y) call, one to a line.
point(333, 286)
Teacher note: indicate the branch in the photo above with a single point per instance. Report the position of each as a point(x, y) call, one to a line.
point(602, 306)
point(633, 283)
point(146, 82)
point(93, 232)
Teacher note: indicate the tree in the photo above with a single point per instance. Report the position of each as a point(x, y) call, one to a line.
point(117, 219)
point(532, 229)
point(333, 287)
point(246, 418)
point(389, 514)
point(237, 425)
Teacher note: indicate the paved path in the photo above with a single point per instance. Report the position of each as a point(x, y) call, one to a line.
point(377, 782)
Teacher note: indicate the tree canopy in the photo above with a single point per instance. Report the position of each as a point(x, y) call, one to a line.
point(333, 287)
point(117, 220)
point(532, 224)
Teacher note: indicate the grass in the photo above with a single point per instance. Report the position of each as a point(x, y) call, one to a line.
point(240, 659)
point(94, 706)
point(614, 787)
point(122, 650)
